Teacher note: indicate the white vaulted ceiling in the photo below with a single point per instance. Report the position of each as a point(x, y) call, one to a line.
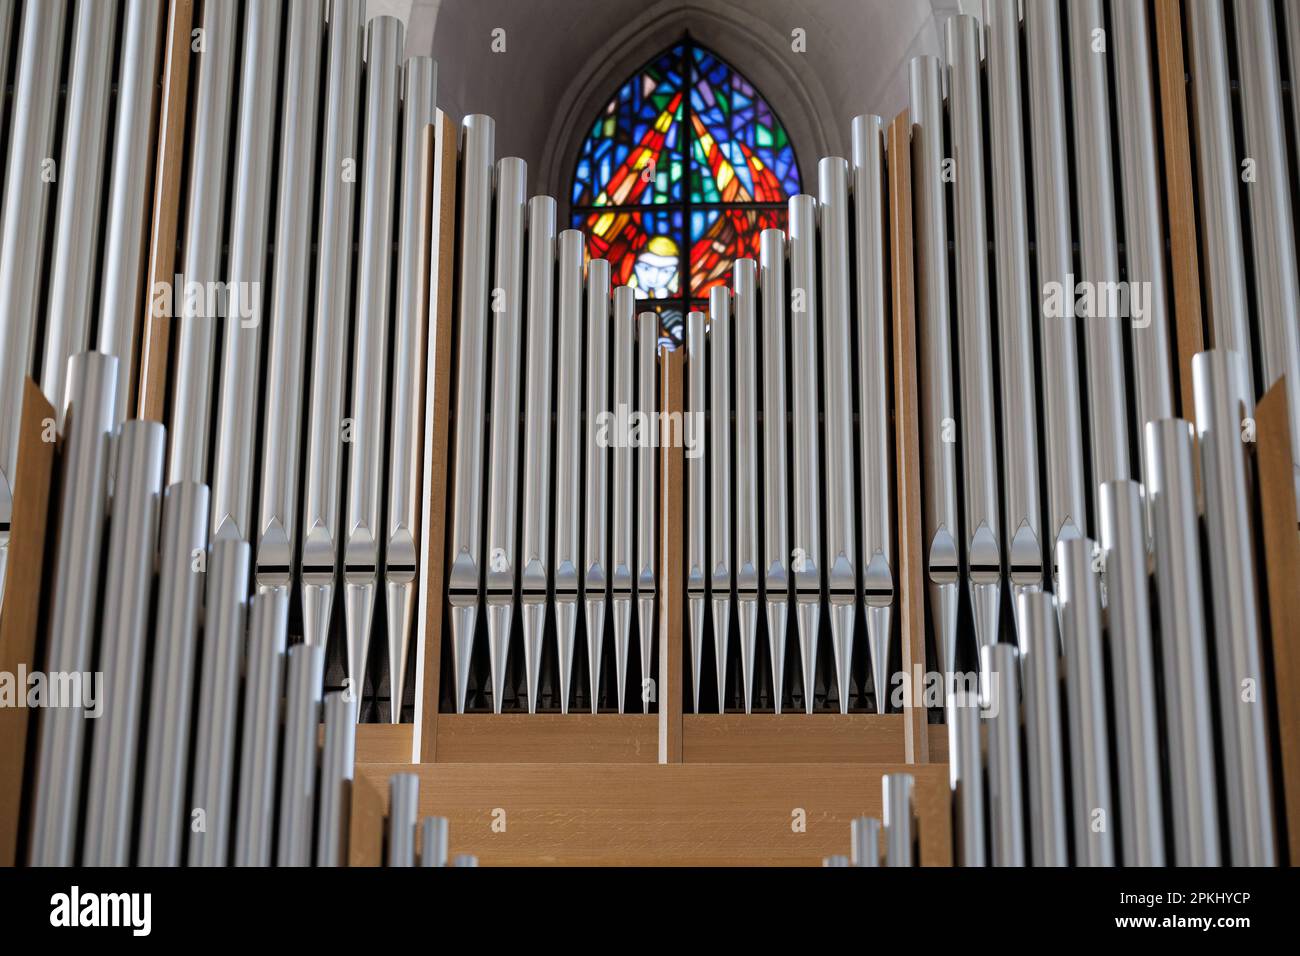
point(564, 58)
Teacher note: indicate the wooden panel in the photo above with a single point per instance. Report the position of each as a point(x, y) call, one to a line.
point(22, 600)
point(1180, 206)
point(793, 738)
point(440, 152)
point(1273, 455)
point(382, 743)
point(672, 556)
point(168, 172)
point(910, 587)
point(548, 738)
point(934, 811)
point(675, 814)
point(366, 825)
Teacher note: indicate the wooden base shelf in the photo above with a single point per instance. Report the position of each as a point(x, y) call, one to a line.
point(634, 738)
point(582, 814)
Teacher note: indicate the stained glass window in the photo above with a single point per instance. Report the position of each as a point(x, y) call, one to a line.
point(679, 174)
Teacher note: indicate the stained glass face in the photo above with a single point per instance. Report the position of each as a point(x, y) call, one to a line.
point(679, 174)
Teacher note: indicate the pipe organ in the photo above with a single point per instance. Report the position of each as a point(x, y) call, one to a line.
point(323, 448)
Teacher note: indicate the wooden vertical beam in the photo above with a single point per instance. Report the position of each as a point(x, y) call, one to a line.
point(366, 825)
point(933, 801)
point(1180, 205)
point(440, 235)
point(22, 602)
point(672, 570)
point(909, 588)
point(169, 167)
point(1277, 505)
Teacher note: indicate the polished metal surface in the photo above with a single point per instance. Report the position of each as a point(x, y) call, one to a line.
point(1066, 478)
point(539, 360)
point(465, 574)
point(568, 454)
point(966, 778)
point(876, 483)
point(276, 533)
point(364, 489)
point(302, 713)
point(1040, 649)
point(1219, 382)
point(31, 135)
point(337, 767)
point(1271, 220)
point(82, 505)
point(748, 564)
point(1098, 237)
point(721, 494)
point(403, 808)
point(806, 543)
point(776, 519)
point(898, 815)
point(128, 585)
point(1132, 663)
point(1144, 240)
point(226, 612)
point(434, 841)
point(977, 433)
point(80, 169)
point(405, 456)
point(268, 618)
point(241, 326)
point(500, 559)
point(864, 841)
point(322, 528)
point(1079, 612)
point(182, 560)
point(127, 223)
point(1175, 533)
point(840, 562)
point(622, 558)
point(697, 529)
point(1001, 701)
point(940, 531)
point(1223, 272)
point(1007, 124)
point(647, 486)
point(198, 317)
point(595, 548)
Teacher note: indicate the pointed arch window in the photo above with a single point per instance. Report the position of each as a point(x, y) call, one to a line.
point(678, 175)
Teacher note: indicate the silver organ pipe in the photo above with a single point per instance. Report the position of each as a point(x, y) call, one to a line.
point(1107, 414)
point(499, 558)
point(595, 545)
point(535, 544)
point(720, 550)
point(363, 489)
point(623, 531)
point(121, 286)
point(1022, 518)
point(876, 543)
point(39, 43)
point(983, 523)
point(67, 327)
point(940, 527)
point(1062, 429)
point(839, 558)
